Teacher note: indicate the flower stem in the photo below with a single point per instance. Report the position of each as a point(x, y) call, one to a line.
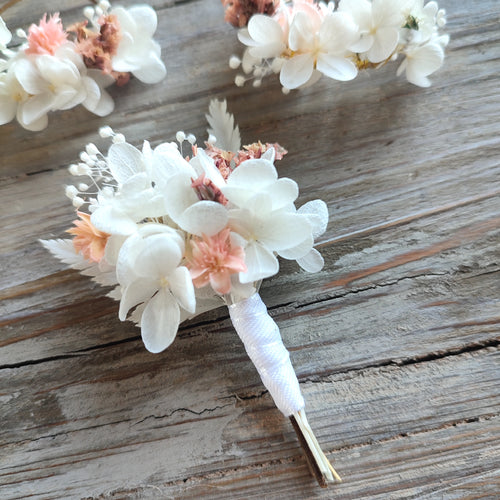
point(318, 463)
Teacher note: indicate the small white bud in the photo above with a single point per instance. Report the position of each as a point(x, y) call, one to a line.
point(84, 156)
point(257, 83)
point(88, 12)
point(257, 72)
point(78, 202)
point(104, 5)
point(106, 131)
point(98, 11)
point(234, 62)
point(73, 169)
point(180, 136)
point(212, 139)
point(71, 192)
point(21, 33)
point(84, 169)
point(239, 80)
point(91, 149)
point(191, 139)
point(285, 90)
point(118, 139)
point(83, 187)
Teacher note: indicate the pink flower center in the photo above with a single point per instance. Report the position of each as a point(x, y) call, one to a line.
point(47, 37)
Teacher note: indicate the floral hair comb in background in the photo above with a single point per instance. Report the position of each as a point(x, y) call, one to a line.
point(57, 68)
point(176, 236)
point(302, 40)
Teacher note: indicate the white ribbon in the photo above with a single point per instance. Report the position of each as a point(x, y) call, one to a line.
point(262, 340)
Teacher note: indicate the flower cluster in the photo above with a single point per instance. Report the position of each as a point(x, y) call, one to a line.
point(57, 69)
point(303, 40)
point(179, 235)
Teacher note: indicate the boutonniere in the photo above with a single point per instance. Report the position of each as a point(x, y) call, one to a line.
point(302, 40)
point(57, 68)
point(180, 229)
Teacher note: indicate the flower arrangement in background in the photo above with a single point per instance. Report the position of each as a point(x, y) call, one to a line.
point(178, 235)
point(57, 68)
point(302, 40)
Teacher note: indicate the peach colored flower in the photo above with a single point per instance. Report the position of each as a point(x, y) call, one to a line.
point(47, 37)
point(88, 241)
point(213, 260)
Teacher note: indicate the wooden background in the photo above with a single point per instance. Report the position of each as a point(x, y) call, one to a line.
point(395, 342)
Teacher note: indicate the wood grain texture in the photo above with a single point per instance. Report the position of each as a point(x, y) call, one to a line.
point(395, 342)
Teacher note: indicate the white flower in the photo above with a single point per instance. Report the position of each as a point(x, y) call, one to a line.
point(264, 219)
point(5, 34)
point(56, 82)
point(137, 52)
point(319, 43)
point(423, 60)
point(135, 198)
point(181, 201)
point(12, 95)
point(379, 22)
point(149, 273)
point(265, 37)
point(422, 19)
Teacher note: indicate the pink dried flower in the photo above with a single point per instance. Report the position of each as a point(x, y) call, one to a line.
point(239, 12)
point(257, 149)
point(47, 37)
point(88, 241)
point(97, 48)
point(213, 260)
point(207, 190)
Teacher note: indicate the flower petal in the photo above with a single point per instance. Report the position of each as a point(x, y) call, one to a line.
point(152, 70)
point(160, 257)
point(316, 212)
point(384, 43)
point(296, 71)
point(204, 217)
point(110, 220)
point(160, 321)
point(137, 292)
point(282, 231)
point(145, 19)
point(124, 161)
point(8, 108)
point(182, 288)
point(337, 68)
point(261, 263)
point(311, 262)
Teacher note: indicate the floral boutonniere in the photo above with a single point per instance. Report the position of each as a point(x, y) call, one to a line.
point(57, 68)
point(302, 40)
point(178, 235)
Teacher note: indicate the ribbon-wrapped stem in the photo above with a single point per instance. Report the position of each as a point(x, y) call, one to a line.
point(262, 340)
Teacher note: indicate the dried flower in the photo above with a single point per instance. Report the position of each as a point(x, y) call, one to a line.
point(238, 12)
point(47, 37)
point(213, 259)
point(97, 48)
point(88, 240)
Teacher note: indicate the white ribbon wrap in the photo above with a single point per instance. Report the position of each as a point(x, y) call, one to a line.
point(262, 340)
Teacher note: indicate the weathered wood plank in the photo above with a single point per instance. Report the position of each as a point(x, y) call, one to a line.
point(75, 450)
point(395, 342)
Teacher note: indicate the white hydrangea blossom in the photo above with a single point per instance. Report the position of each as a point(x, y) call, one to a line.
point(303, 41)
point(48, 71)
point(156, 218)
